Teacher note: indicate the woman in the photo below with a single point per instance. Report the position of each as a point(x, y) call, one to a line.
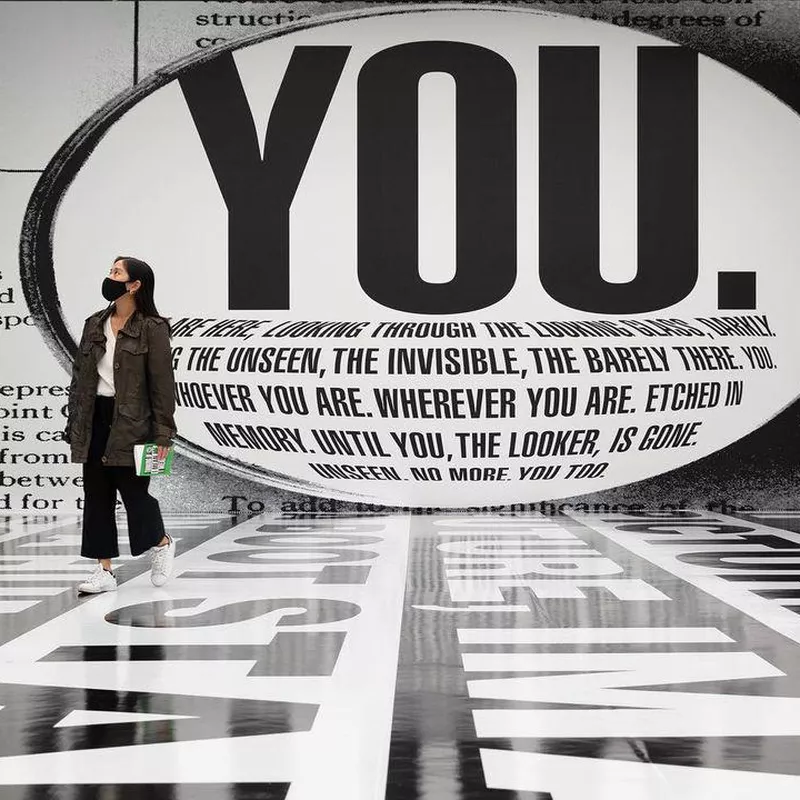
point(122, 394)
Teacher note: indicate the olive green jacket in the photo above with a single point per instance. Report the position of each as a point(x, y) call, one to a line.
point(144, 384)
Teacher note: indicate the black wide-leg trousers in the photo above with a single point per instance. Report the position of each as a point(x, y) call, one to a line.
point(100, 486)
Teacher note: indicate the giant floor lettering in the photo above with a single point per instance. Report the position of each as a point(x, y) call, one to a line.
point(640, 655)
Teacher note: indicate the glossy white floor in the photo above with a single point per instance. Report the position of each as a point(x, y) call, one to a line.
point(647, 655)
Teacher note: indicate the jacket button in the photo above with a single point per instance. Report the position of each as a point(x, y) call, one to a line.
point(116, 366)
point(104, 459)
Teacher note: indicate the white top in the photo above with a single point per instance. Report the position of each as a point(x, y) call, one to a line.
point(105, 367)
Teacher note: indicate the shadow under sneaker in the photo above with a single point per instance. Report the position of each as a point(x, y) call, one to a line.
point(162, 559)
point(99, 581)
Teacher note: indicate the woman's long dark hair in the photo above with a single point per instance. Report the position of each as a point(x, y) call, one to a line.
point(144, 298)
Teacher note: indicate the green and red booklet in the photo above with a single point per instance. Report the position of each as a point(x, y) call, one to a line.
point(148, 463)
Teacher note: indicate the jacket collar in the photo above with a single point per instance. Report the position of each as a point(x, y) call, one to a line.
point(133, 327)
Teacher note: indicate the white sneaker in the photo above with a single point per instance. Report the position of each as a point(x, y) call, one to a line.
point(100, 580)
point(162, 558)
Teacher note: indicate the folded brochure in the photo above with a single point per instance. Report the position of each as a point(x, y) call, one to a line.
point(147, 461)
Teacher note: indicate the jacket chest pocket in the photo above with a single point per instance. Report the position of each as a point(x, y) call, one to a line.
point(130, 366)
point(135, 347)
point(86, 352)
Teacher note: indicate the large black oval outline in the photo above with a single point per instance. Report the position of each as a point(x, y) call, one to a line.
point(36, 249)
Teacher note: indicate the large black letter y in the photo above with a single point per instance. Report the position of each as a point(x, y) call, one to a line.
point(259, 192)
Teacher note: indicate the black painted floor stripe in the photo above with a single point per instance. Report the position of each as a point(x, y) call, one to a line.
point(147, 791)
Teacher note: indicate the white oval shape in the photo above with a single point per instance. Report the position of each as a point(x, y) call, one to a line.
point(148, 190)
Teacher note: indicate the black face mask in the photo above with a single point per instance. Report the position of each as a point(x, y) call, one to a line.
point(113, 290)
